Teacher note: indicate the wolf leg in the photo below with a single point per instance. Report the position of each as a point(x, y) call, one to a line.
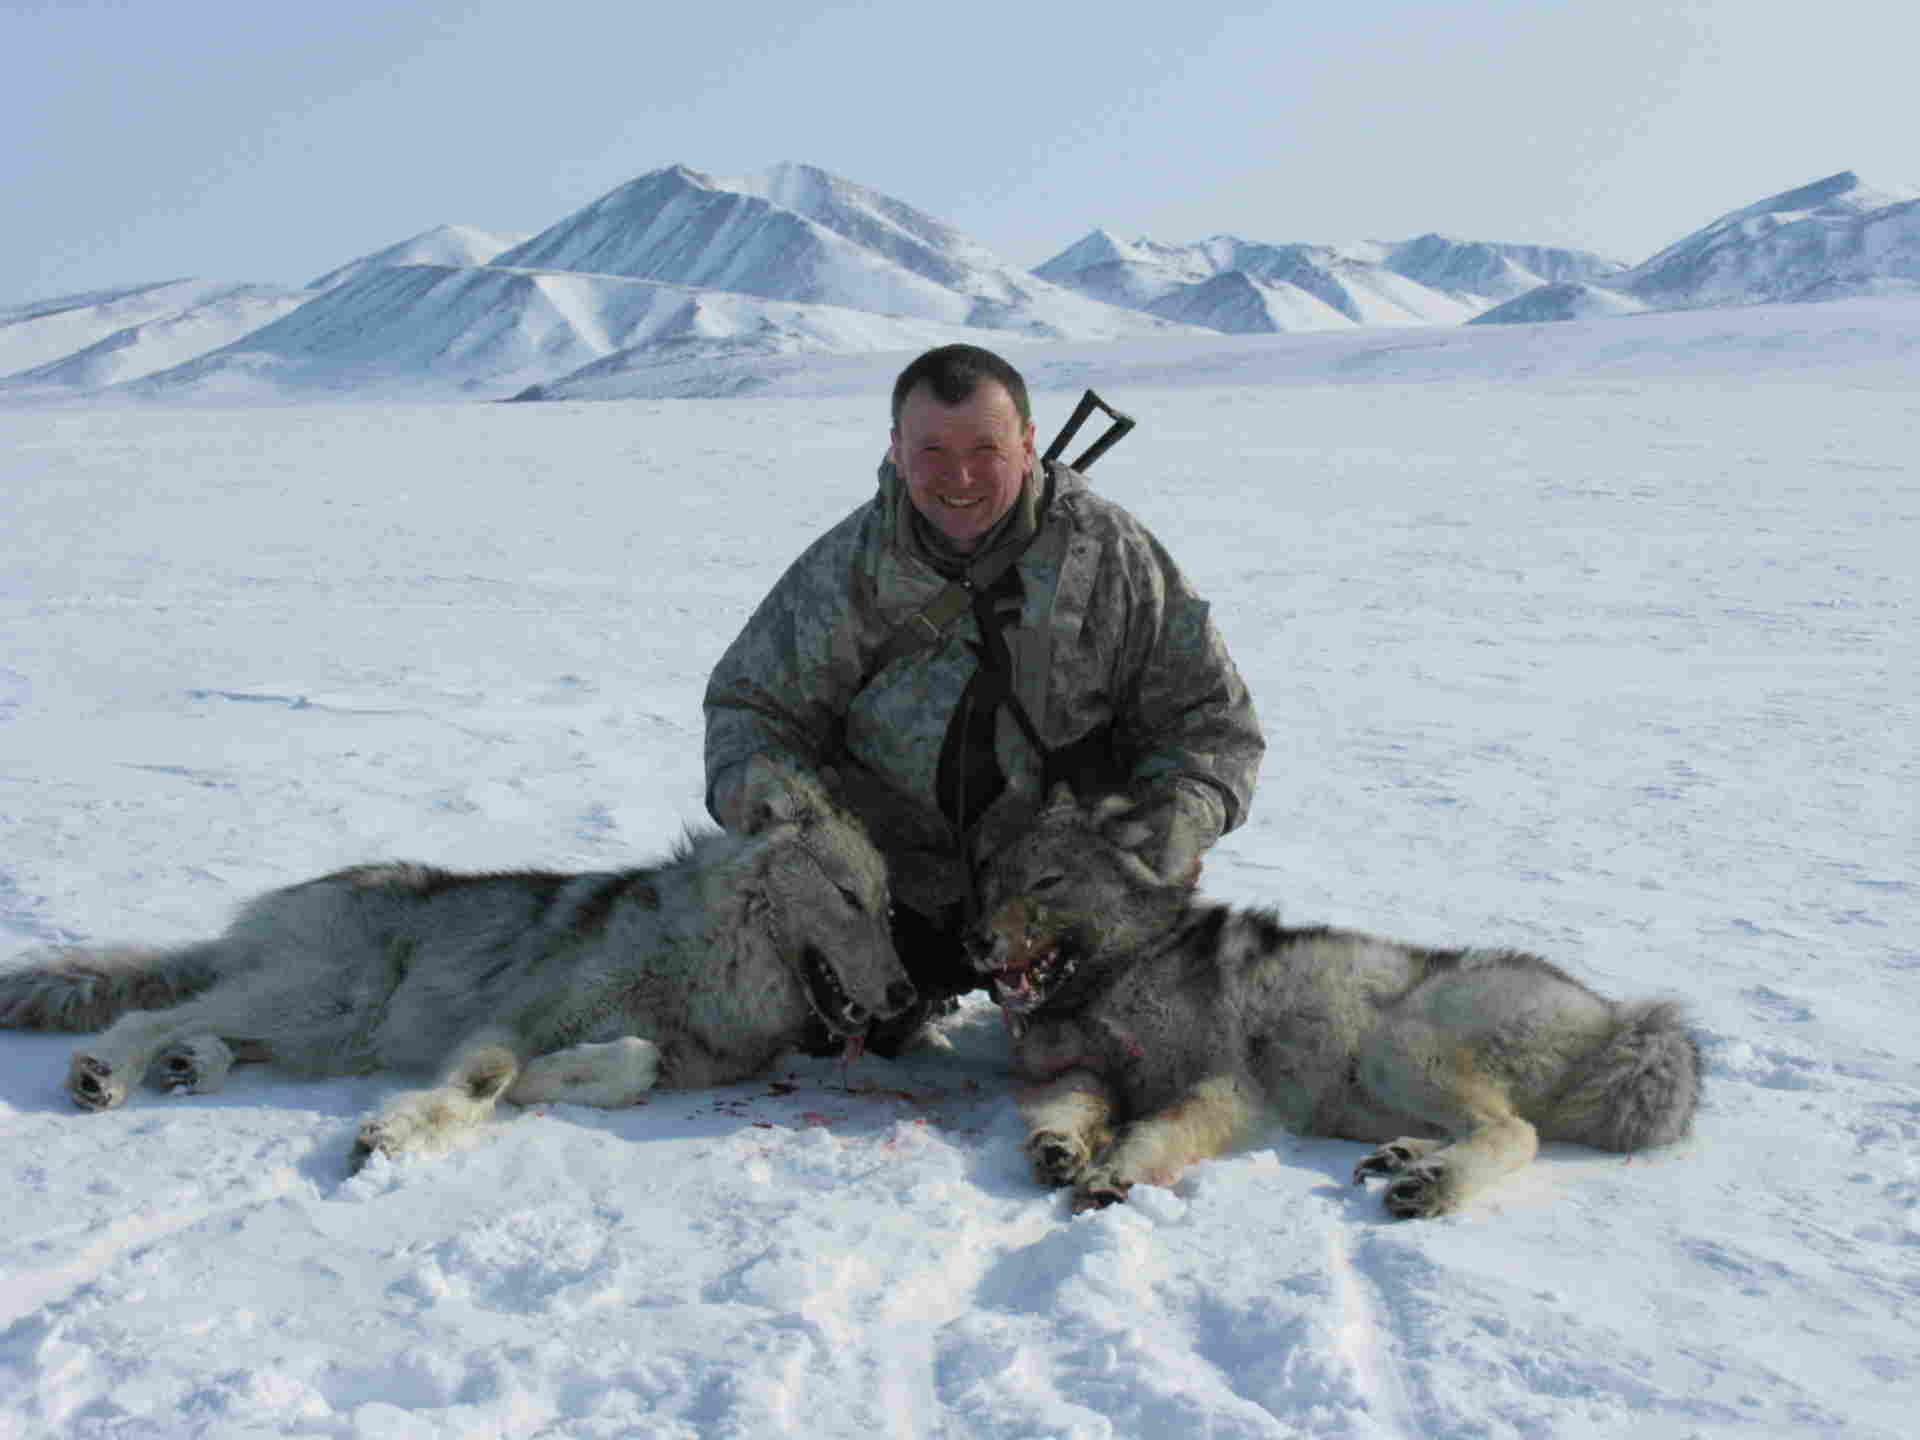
point(1204, 1122)
point(104, 1069)
point(1430, 1177)
point(481, 1071)
point(611, 1075)
point(1451, 1175)
point(291, 1000)
point(193, 1065)
point(1067, 1125)
point(88, 987)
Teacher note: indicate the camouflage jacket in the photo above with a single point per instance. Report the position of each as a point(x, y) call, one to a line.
point(1109, 634)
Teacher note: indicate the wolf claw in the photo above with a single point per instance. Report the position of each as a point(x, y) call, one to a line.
point(368, 1143)
point(1057, 1159)
point(1419, 1194)
point(388, 1134)
point(178, 1073)
point(1389, 1159)
point(92, 1084)
point(1097, 1192)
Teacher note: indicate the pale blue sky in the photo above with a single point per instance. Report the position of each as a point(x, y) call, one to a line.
point(160, 138)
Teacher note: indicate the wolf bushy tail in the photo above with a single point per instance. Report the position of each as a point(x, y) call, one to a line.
point(1640, 1089)
point(76, 988)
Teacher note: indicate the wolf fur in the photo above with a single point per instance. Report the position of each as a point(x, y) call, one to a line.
point(528, 986)
point(1153, 1029)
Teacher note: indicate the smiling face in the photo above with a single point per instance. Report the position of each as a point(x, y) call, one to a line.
point(964, 464)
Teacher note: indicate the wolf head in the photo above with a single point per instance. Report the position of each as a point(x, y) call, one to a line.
point(1069, 895)
point(825, 887)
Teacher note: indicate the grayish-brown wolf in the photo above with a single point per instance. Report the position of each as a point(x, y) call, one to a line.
point(526, 986)
point(1153, 1029)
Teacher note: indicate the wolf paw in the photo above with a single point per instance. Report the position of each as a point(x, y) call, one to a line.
point(402, 1128)
point(1057, 1159)
point(377, 1136)
point(417, 1121)
point(1420, 1192)
point(1098, 1190)
point(1393, 1158)
point(93, 1084)
point(193, 1067)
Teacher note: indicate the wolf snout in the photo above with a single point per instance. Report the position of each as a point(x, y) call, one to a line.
point(986, 950)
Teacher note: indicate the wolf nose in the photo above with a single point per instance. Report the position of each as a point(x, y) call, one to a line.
point(986, 951)
point(900, 994)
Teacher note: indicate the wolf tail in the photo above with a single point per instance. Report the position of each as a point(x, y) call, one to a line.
point(75, 988)
point(1641, 1087)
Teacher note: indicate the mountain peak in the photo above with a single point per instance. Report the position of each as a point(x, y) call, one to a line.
point(441, 245)
point(1097, 247)
point(1843, 193)
point(1802, 242)
point(686, 174)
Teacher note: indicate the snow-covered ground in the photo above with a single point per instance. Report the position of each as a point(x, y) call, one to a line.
point(1583, 650)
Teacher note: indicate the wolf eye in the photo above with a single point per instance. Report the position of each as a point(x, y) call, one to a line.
point(851, 898)
point(1046, 882)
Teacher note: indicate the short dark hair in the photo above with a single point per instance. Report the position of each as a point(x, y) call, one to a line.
point(955, 372)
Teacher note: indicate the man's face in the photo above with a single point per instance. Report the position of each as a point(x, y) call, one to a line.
point(964, 463)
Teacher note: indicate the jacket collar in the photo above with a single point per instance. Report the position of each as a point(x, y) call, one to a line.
point(913, 536)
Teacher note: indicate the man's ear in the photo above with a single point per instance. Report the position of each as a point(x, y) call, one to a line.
point(893, 447)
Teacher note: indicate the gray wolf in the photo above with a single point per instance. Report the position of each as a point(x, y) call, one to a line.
point(527, 987)
point(1152, 1029)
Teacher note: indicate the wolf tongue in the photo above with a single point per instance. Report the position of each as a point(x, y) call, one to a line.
point(856, 1046)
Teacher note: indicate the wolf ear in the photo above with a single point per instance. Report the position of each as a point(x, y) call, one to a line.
point(773, 795)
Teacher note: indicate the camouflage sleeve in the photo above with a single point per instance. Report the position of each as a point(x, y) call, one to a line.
point(782, 687)
point(1184, 713)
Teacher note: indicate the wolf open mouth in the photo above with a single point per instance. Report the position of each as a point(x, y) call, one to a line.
point(1026, 984)
point(840, 1012)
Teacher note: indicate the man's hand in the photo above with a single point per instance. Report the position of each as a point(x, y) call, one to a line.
point(1183, 819)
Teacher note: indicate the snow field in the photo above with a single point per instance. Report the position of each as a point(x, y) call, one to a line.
point(1613, 667)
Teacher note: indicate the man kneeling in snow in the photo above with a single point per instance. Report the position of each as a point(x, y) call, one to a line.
point(981, 629)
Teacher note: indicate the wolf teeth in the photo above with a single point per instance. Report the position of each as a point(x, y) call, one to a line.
point(824, 990)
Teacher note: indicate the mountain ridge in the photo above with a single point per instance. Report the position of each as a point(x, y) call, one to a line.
point(680, 268)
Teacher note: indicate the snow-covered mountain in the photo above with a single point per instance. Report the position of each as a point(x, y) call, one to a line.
point(1133, 273)
point(718, 343)
point(1242, 287)
point(1566, 300)
point(798, 233)
point(1838, 236)
point(1241, 304)
point(415, 327)
point(1479, 268)
point(672, 269)
point(442, 245)
point(179, 322)
point(679, 282)
point(48, 331)
point(493, 332)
